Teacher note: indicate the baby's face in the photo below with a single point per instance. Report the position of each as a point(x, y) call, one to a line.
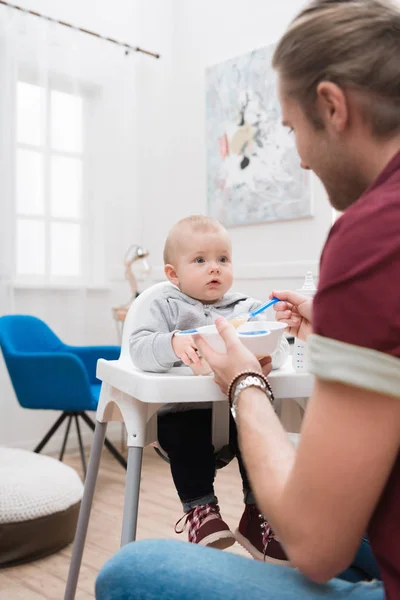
point(204, 265)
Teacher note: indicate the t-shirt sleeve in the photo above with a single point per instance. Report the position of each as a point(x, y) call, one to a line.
point(356, 312)
point(356, 301)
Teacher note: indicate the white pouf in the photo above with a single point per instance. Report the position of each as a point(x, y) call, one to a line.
point(39, 505)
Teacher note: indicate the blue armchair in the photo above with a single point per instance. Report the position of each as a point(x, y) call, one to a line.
point(50, 375)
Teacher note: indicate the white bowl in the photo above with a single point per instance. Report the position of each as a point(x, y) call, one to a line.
point(260, 337)
point(261, 344)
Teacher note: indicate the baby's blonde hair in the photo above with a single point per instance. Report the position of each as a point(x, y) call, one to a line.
point(193, 223)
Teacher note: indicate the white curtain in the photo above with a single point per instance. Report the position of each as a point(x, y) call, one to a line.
point(67, 159)
point(67, 184)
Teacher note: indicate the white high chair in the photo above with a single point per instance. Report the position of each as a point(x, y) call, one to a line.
point(133, 396)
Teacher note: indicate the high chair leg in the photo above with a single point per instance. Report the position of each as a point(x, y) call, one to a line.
point(131, 503)
point(84, 513)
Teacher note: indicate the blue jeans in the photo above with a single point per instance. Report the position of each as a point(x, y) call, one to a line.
point(171, 570)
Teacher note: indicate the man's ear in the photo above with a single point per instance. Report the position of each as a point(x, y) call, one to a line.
point(171, 274)
point(332, 104)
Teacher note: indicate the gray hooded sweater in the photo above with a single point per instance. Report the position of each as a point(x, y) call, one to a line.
point(151, 343)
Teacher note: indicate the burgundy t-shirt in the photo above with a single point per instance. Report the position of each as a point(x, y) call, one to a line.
point(358, 302)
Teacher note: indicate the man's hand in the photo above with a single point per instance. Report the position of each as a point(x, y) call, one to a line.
point(237, 357)
point(185, 349)
point(296, 311)
point(266, 365)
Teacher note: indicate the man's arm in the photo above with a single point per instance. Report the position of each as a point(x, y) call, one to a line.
point(321, 499)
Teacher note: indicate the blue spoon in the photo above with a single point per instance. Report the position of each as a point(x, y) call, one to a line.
point(256, 312)
point(240, 319)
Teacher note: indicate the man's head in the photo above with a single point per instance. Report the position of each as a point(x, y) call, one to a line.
point(198, 258)
point(339, 85)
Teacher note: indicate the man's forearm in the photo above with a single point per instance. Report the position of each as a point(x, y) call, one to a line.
point(266, 450)
point(304, 495)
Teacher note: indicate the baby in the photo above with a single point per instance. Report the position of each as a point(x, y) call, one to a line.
point(198, 261)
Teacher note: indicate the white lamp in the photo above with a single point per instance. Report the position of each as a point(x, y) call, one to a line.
point(134, 254)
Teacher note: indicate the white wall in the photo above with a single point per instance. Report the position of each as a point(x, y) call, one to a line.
point(83, 315)
point(173, 118)
point(168, 176)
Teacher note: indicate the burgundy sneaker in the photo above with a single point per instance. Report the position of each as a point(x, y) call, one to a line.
point(257, 537)
point(206, 527)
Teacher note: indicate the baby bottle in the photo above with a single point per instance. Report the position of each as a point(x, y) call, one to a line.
point(300, 355)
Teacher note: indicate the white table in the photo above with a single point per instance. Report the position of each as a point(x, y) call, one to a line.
point(132, 396)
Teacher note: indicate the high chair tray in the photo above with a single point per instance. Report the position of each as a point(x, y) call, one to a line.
point(162, 387)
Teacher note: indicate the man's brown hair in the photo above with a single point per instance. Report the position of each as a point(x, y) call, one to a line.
point(353, 43)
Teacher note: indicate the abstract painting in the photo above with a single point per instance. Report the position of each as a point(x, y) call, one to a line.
point(253, 169)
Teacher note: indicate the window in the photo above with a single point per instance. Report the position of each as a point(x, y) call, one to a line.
point(49, 184)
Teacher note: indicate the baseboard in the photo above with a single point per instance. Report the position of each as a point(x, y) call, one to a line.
point(276, 270)
point(54, 445)
point(258, 271)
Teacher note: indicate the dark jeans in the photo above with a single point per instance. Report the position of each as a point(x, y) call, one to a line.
point(186, 438)
point(364, 566)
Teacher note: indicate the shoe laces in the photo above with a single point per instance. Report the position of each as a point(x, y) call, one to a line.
point(268, 535)
point(195, 519)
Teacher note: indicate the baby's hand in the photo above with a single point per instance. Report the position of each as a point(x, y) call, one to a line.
point(185, 349)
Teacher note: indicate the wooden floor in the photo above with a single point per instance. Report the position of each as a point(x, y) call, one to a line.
point(159, 509)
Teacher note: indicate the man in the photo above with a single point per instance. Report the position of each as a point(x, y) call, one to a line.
point(339, 84)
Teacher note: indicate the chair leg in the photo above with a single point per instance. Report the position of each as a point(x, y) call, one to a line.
point(81, 448)
point(51, 432)
point(84, 513)
point(117, 455)
point(64, 445)
point(131, 502)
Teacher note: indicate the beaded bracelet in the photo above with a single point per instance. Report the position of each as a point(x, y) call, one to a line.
point(235, 381)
